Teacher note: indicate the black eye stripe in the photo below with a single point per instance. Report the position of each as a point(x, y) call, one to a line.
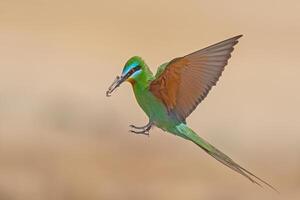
point(136, 68)
point(133, 70)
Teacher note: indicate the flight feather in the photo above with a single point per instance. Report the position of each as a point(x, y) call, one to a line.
point(186, 80)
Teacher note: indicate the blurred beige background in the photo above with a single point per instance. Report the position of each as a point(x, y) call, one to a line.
point(61, 138)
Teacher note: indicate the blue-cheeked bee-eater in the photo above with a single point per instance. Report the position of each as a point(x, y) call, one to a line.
point(170, 96)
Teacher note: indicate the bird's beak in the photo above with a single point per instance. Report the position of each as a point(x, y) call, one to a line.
point(117, 82)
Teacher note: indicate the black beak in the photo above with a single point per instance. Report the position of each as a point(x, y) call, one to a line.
point(117, 82)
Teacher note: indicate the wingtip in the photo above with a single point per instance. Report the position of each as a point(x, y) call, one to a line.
point(233, 39)
point(238, 36)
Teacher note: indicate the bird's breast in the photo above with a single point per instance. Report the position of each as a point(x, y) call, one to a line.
point(154, 109)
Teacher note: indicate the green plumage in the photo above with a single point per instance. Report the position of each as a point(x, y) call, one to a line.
point(157, 113)
point(177, 88)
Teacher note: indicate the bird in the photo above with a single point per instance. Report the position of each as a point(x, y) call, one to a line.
point(174, 92)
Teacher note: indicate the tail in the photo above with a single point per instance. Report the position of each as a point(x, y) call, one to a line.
point(184, 131)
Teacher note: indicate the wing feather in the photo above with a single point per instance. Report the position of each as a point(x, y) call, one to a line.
point(186, 81)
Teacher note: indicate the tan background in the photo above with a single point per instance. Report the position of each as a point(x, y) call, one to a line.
point(61, 138)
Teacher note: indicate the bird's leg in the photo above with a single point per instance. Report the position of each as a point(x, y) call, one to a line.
point(144, 129)
point(141, 127)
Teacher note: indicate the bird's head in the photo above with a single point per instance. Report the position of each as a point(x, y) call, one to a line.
point(132, 72)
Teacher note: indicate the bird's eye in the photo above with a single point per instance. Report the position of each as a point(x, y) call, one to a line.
point(131, 71)
point(136, 68)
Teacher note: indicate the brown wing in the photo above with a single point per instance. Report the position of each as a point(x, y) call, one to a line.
point(187, 80)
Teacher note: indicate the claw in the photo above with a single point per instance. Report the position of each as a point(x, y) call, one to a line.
point(147, 126)
point(141, 130)
point(133, 126)
point(144, 132)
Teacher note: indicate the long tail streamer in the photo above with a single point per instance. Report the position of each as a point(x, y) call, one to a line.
point(187, 133)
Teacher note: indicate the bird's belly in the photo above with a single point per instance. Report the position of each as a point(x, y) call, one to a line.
point(150, 105)
point(156, 111)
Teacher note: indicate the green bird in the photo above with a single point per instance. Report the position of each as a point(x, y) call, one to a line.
point(170, 96)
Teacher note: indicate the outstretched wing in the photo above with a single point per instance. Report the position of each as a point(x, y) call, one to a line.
point(186, 81)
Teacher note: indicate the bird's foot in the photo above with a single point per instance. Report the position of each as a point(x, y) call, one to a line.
point(137, 127)
point(141, 127)
point(142, 130)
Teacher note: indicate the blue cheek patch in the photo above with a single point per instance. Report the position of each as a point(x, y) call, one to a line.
point(135, 74)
